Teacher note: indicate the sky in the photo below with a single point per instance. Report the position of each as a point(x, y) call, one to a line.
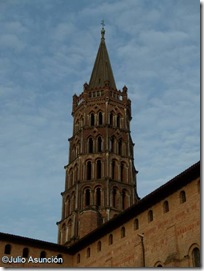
point(47, 52)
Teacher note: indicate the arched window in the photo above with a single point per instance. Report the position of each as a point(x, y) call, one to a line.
point(111, 118)
point(122, 172)
point(78, 258)
point(165, 206)
point(98, 197)
point(25, 252)
point(196, 257)
point(118, 120)
point(122, 232)
point(99, 144)
point(92, 119)
point(99, 169)
point(113, 170)
point(90, 143)
point(72, 202)
point(7, 249)
point(60, 259)
point(136, 224)
point(69, 229)
point(89, 170)
point(76, 173)
point(182, 196)
point(43, 254)
point(124, 199)
point(87, 197)
point(88, 252)
point(112, 144)
point(110, 239)
point(100, 118)
point(114, 197)
point(99, 246)
point(120, 146)
point(150, 216)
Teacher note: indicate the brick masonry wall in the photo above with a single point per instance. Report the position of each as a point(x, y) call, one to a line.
point(167, 239)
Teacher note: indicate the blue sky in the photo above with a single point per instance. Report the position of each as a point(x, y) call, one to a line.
point(47, 52)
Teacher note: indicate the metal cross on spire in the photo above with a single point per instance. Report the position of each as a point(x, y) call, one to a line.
point(102, 30)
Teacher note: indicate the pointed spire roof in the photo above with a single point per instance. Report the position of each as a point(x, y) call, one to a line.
point(102, 71)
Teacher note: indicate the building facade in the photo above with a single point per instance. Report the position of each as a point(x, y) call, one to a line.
point(104, 223)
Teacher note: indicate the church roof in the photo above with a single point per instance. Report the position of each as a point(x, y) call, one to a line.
point(102, 71)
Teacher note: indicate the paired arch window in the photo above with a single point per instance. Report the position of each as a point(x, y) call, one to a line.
point(116, 145)
point(150, 216)
point(93, 121)
point(95, 145)
point(182, 196)
point(7, 249)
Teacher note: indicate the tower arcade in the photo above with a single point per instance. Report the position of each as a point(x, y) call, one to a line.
point(100, 177)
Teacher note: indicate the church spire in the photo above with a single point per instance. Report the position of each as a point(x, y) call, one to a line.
point(102, 72)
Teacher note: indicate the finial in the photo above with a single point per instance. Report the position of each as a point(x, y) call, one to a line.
point(102, 30)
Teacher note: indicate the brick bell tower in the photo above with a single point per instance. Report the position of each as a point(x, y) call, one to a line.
point(100, 177)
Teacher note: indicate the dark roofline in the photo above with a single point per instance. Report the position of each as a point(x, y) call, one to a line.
point(151, 199)
point(32, 242)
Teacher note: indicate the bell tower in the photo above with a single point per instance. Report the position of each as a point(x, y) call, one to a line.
point(100, 177)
